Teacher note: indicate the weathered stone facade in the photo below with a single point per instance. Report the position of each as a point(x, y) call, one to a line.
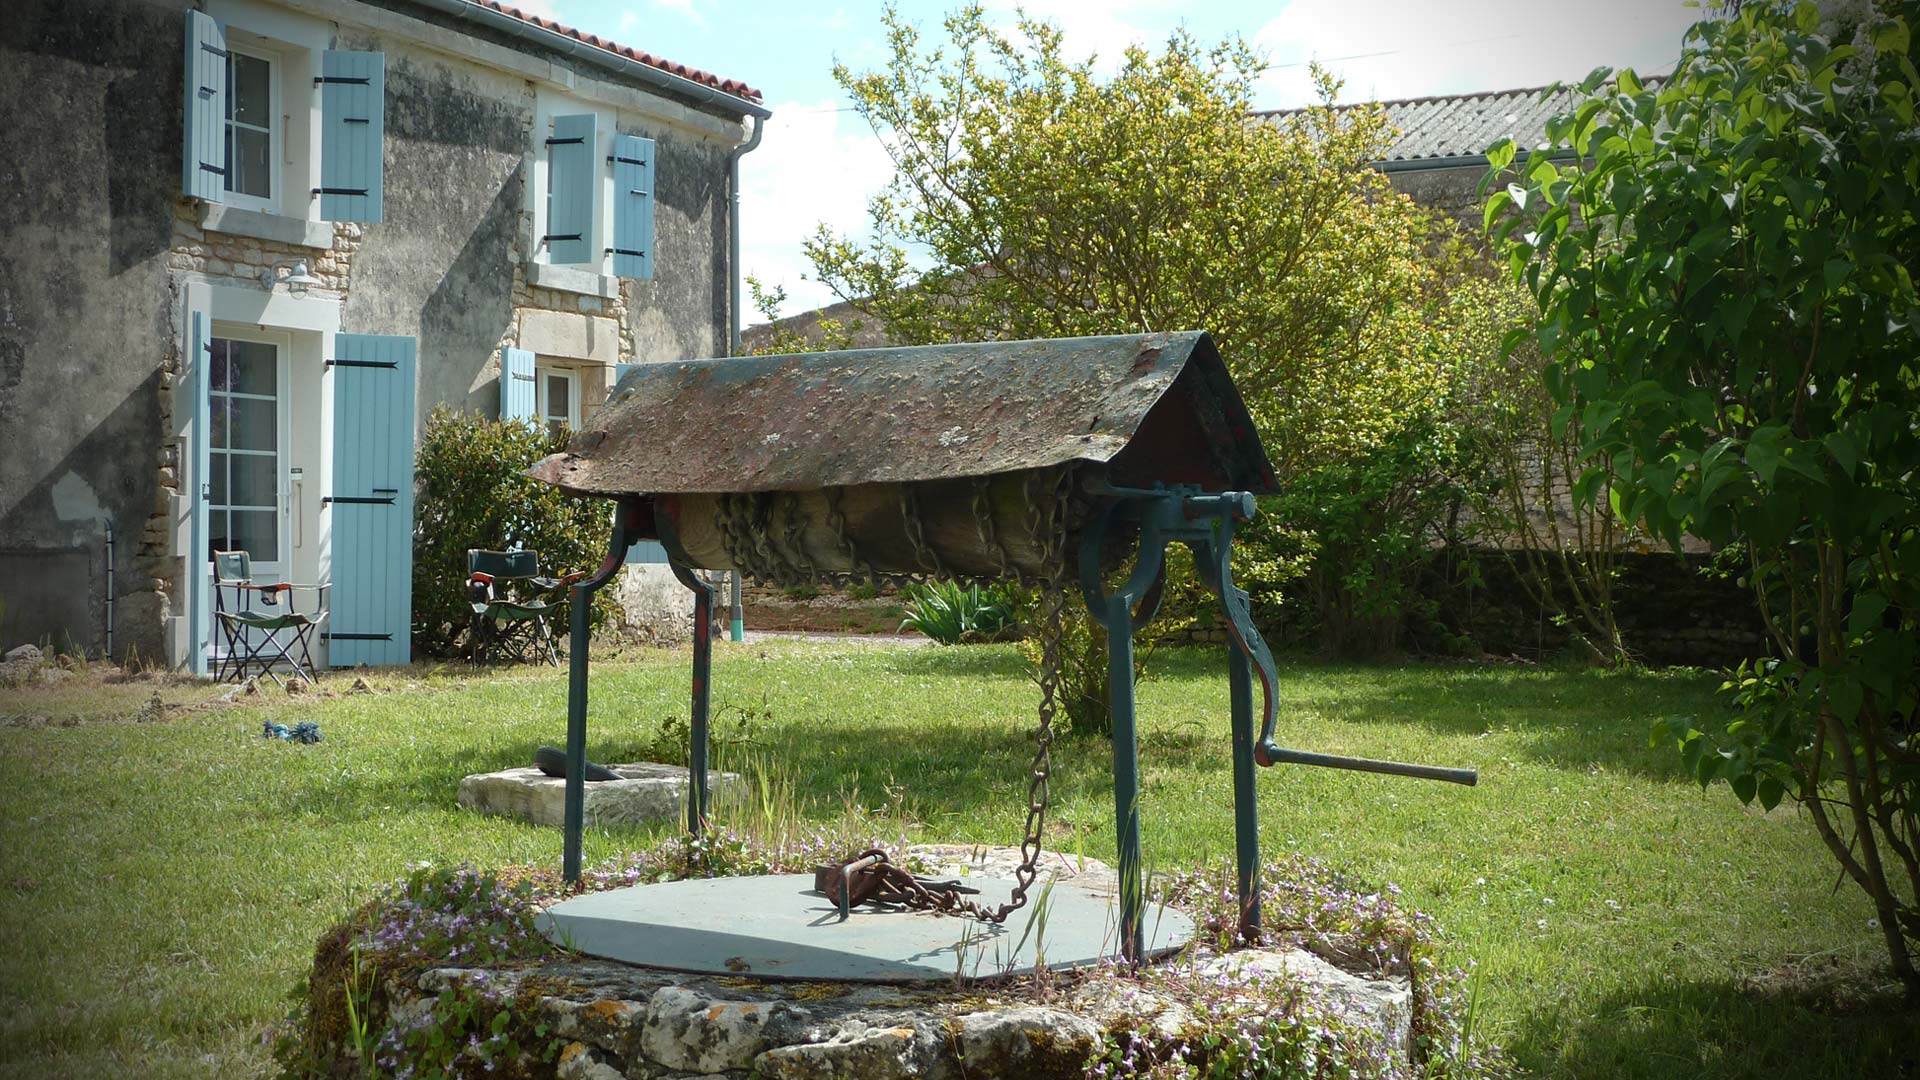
point(98, 249)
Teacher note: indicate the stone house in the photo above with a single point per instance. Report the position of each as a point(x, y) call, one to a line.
point(248, 245)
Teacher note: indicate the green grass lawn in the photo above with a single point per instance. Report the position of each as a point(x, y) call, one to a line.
point(162, 882)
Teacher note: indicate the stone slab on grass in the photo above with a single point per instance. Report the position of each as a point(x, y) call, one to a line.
point(646, 792)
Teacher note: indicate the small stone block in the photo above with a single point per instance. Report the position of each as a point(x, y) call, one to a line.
point(645, 792)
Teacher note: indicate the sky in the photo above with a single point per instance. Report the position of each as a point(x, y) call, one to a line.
point(820, 162)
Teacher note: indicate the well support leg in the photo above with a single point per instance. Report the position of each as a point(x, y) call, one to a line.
point(579, 641)
point(1126, 776)
point(1246, 822)
point(576, 802)
point(698, 800)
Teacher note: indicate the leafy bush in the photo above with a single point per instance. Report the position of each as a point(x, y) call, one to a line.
point(473, 493)
point(1724, 274)
point(954, 614)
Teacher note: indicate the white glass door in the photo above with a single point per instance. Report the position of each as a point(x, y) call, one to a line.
point(246, 405)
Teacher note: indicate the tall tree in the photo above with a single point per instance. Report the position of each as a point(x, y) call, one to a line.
point(1034, 198)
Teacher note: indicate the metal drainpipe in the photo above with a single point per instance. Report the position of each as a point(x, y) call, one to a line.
point(737, 623)
point(109, 656)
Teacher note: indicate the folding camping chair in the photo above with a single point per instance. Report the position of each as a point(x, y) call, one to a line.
point(508, 597)
point(262, 627)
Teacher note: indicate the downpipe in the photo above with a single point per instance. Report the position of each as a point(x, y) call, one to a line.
point(736, 622)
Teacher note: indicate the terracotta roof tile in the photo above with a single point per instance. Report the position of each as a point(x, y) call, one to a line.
point(726, 86)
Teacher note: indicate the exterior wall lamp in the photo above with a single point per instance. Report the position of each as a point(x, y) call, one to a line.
point(293, 274)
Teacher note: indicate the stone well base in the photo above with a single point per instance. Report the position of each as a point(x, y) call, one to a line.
point(646, 792)
point(617, 1022)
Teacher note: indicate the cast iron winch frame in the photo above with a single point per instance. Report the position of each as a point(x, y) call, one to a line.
point(1113, 515)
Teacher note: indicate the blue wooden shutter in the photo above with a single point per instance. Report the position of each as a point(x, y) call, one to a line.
point(203, 151)
point(632, 207)
point(642, 551)
point(570, 186)
point(517, 400)
point(199, 491)
point(372, 502)
point(353, 105)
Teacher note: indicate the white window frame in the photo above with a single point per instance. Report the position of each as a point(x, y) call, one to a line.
point(248, 46)
point(548, 105)
point(283, 350)
point(541, 373)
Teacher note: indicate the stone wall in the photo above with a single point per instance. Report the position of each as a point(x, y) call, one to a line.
point(97, 244)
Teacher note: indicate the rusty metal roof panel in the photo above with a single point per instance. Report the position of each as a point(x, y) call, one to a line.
point(931, 412)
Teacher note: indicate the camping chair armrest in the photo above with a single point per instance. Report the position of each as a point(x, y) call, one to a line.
point(484, 579)
point(560, 582)
point(319, 595)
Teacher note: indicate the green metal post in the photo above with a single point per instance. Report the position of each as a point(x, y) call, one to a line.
point(574, 814)
point(698, 801)
point(1118, 619)
point(579, 639)
point(1246, 822)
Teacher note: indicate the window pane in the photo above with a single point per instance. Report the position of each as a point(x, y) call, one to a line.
point(558, 403)
point(217, 417)
point(217, 475)
point(252, 425)
point(254, 480)
point(256, 533)
point(219, 533)
point(217, 366)
point(250, 91)
point(253, 366)
point(249, 168)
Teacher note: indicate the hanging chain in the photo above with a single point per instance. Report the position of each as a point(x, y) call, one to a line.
point(923, 553)
point(880, 880)
point(985, 528)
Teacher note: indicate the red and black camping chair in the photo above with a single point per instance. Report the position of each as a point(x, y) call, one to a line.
point(261, 626)
point(510, 601)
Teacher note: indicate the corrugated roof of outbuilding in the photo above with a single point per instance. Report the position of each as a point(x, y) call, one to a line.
point(1464, 125)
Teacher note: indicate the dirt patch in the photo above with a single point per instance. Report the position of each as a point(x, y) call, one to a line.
point(1831, 985)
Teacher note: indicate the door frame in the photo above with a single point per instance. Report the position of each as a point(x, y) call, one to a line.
point(282, 342)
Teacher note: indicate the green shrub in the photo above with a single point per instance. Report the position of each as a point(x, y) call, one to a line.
point(954, 614)
point(474, 493)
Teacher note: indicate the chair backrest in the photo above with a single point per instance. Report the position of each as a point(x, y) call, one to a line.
point(504, 565)
point(232, 566)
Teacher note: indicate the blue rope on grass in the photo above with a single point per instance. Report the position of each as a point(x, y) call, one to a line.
point(306, 731)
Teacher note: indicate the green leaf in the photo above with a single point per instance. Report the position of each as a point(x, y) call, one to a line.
point(1518, 194)
point(1764, 451)
point(1845, 696)
point(1891, 37)
point(1629, 82)
point(1744, 786)
point(1770, 792)
point(1497, 202)
point(1868, 607)
point(1836, 272)
point(1500, 154)
point(1845, 451)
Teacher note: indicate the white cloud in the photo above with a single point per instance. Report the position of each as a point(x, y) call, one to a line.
point(817, 164)
point(683, 8)
point(1389, 49)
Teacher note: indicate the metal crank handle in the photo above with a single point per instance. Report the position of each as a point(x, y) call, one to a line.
point(1270, 753)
